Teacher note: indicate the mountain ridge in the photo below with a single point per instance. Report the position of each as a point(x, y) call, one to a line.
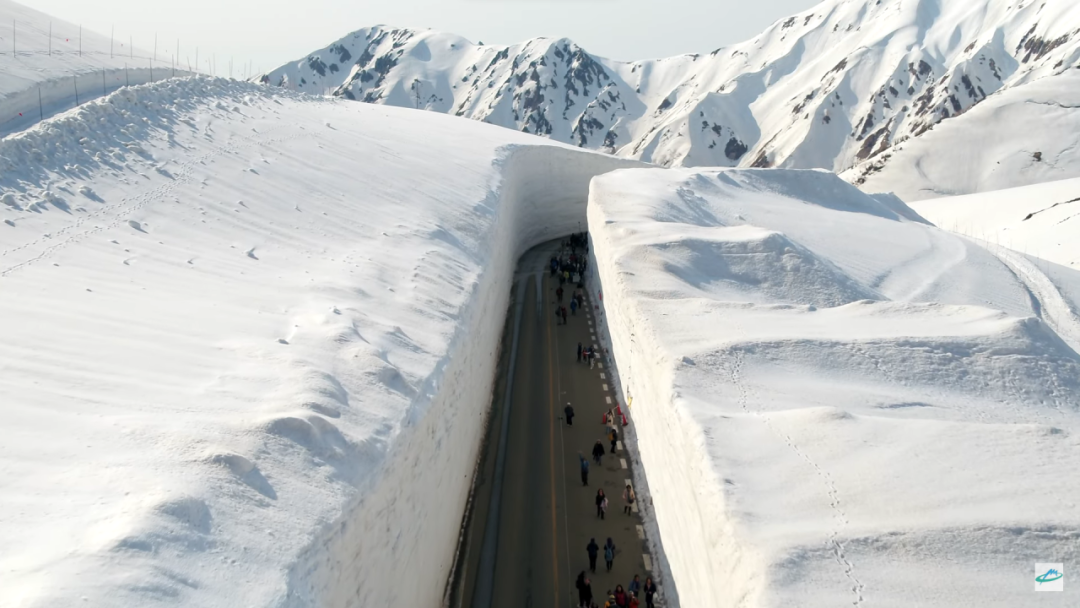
point(837, 87)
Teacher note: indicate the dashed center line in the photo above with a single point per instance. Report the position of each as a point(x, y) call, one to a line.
point(648, 561)
point(622, 462)
point(608, 399)
point(640, 533)
point(602, 376)
point(605, 388)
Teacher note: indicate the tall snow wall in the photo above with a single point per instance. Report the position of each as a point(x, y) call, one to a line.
point(396, 545)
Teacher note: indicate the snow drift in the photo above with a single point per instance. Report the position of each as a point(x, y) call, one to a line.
point(249, 342)
point(835, 403)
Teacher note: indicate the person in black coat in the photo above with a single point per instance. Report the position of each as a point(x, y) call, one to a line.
point(593, 549)
point(579, 352)
point(597, 451)
point(569, 411)
point(650, 591)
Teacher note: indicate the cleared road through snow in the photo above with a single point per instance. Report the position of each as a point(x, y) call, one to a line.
point(543, 517)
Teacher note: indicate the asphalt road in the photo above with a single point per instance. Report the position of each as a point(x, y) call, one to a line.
point(531, 517)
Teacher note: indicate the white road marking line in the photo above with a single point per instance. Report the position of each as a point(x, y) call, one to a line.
point(633, 507)
point(603, 377)
point(618, 446)
point(648, 561)
point(605, 388)
point(608, 400)
point(626, 482)
point(622, 462)
point(601, 365)
point(640, 532)
point(590, 321)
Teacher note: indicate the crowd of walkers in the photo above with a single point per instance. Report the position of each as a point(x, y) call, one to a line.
point(629, 597)
point(570, 265)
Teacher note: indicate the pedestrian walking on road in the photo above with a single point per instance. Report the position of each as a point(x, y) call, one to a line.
point(598, 451)
point(585, 594)
point(650, 591)
point(592, 357)
point(621, 597)
point(635, 585)
point(573, 307)
point(610, 603)
point(569, 411)
point(563, 309)
point(579, 349)
point(593, 549)
point(628, 498)
point(584, 469)
point(600, 500)
point(559, 293)
point(634, 603)
point(613, 436)
point(609, 555)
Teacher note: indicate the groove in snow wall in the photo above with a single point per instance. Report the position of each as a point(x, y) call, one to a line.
point(365, 558)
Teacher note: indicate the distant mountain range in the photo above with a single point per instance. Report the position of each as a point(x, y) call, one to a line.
point(844, 86)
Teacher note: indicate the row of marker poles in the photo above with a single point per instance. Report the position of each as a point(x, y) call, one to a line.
point(211, 63)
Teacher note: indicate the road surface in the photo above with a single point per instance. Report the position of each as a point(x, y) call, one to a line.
point(531, 517)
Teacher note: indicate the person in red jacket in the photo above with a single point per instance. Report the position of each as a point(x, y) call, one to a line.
point(621, 599)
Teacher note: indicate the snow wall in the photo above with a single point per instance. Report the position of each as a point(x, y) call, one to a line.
point(367, 558)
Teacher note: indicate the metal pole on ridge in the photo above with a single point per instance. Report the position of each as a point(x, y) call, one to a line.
point(75, 79)
point(41, 110)
point(112, 35)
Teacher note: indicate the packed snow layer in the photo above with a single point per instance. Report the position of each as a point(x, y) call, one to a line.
point(1015, 138)
point(835, 402)
point(249, 339)
point(39, 78)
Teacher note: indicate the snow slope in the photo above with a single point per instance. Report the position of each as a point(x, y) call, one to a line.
point(835, 404)
point(841, 84)
point(1014, 139)
point(1040, 220)
point(64, 72)
point(248, 346)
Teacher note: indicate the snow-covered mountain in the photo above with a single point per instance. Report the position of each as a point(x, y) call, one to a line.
point(842, 84)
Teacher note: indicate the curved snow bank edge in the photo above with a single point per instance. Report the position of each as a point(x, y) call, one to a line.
point(367, 555)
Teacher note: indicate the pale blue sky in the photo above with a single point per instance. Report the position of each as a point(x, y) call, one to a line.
point(271, 32)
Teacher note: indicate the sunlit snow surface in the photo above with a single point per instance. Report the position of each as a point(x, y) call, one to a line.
point(248, 340)
point(835, 404)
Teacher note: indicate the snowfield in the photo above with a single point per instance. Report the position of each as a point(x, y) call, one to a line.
point(249, 338)
point(835, 402)
point(1040, 219)
point(64, 72)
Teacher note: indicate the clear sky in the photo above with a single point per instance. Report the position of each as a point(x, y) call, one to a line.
point(271, 32)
